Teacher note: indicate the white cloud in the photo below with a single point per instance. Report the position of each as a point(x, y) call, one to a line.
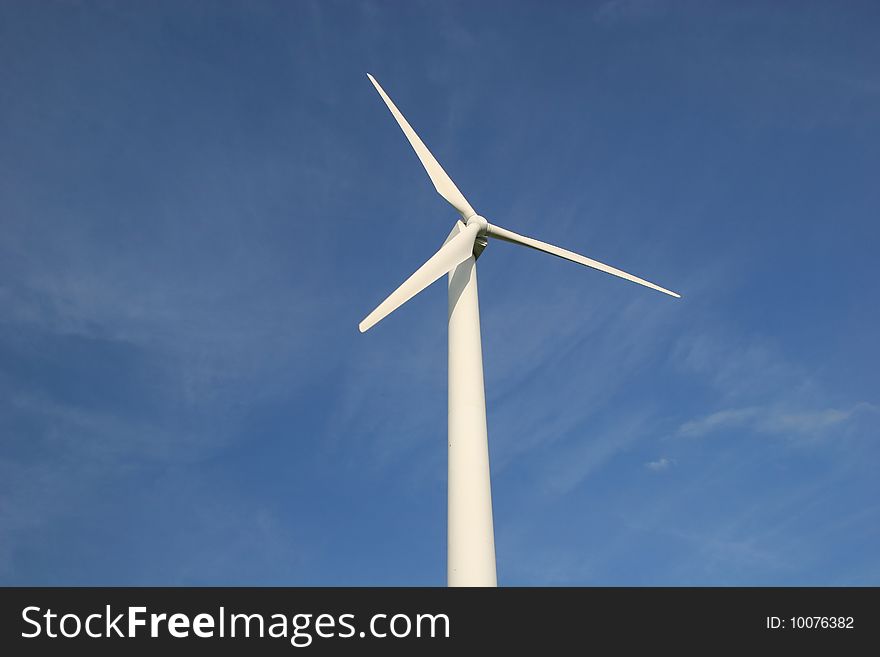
point(660, 464)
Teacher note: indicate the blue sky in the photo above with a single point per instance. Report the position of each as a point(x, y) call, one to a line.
point(200, 201)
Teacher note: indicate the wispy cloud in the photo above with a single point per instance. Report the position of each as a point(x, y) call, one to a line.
point(774, 420)
point(582, 455)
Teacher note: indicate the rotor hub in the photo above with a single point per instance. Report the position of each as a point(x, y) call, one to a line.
point(479, 221)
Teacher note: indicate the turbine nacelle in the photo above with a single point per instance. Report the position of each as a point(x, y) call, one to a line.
point(480, 243)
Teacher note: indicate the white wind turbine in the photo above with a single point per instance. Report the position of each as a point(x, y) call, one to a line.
point(471, 536)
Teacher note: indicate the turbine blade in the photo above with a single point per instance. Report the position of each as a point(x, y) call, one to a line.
point(442, 182)
point(509, 236)
point(456, 250)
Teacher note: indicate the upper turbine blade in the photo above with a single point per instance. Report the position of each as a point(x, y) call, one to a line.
point(442, 182)
point(510, 236)
point(456, 250)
